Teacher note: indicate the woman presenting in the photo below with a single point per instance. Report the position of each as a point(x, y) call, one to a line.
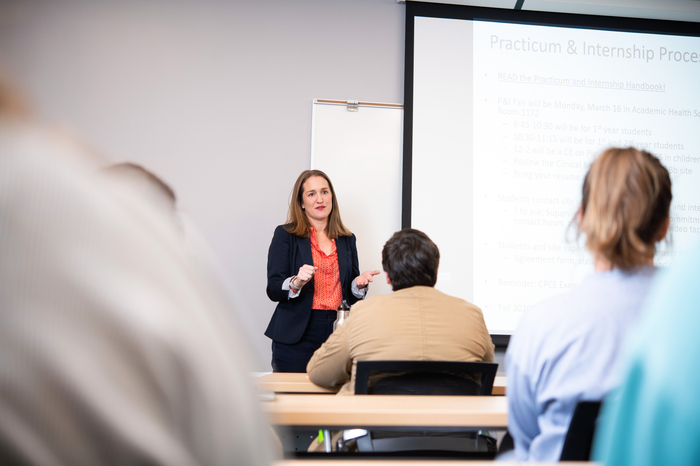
point(312, 267)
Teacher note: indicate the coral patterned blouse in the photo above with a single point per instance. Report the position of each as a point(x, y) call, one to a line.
point(328, 293)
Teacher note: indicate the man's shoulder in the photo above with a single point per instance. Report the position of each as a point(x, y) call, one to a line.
point(379, 304)
point(372, 301)
point(428, 294)
point(415, 293)
point(449, 300)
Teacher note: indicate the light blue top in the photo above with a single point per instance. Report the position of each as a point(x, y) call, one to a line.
point(565, 350)
point(654, 417)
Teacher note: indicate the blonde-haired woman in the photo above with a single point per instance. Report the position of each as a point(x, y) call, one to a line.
point(566, 348)
point(312, 267)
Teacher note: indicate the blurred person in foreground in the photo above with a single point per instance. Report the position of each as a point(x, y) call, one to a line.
point(653, 418)
point(135, 181)
point(566, 349)
point(113, 349)
point(415, 322)
point(147, 186)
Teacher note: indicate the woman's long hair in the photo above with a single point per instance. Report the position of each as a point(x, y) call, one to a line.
point(626, 199)
point(298, 223)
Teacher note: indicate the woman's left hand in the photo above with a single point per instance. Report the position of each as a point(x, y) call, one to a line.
point(363, 280)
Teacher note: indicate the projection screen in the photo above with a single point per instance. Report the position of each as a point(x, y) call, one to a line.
point(504, 111)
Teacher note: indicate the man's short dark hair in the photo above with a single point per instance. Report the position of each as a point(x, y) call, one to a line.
point(410, 258)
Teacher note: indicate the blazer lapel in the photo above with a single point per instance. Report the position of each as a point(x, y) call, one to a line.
point(341, 246)
point(304, 245)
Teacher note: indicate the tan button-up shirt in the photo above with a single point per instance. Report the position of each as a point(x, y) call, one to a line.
point(417, 323)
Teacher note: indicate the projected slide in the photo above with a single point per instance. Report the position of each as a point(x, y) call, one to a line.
point(505, 139)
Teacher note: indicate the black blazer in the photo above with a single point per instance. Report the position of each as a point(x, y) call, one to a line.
point(287, 253)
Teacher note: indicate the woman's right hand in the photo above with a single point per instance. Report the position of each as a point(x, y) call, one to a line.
point(306, 273)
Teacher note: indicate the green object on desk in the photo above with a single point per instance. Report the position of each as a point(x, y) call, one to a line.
point(320, 436)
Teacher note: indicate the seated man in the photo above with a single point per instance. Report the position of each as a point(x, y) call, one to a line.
point(415, 322)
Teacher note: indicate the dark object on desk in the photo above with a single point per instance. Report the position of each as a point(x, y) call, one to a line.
point(507, 443)
point(424, 378)
point(394, 456)
point(579, 437)
point(460, 444)
point(500, 341)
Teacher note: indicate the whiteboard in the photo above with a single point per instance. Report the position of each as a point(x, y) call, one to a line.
point(362, 153)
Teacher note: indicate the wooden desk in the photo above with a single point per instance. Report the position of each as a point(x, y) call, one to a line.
point(499, 385)
point(388, 411)
point(289, 382)
point(281, 382)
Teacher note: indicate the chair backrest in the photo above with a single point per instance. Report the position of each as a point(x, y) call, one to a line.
point(424, 378)
point(579, 437)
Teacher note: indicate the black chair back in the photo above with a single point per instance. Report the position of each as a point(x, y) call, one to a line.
point(424, 378)
point(579, 437)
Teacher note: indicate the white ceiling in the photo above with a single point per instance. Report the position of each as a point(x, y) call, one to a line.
point(677, 10)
